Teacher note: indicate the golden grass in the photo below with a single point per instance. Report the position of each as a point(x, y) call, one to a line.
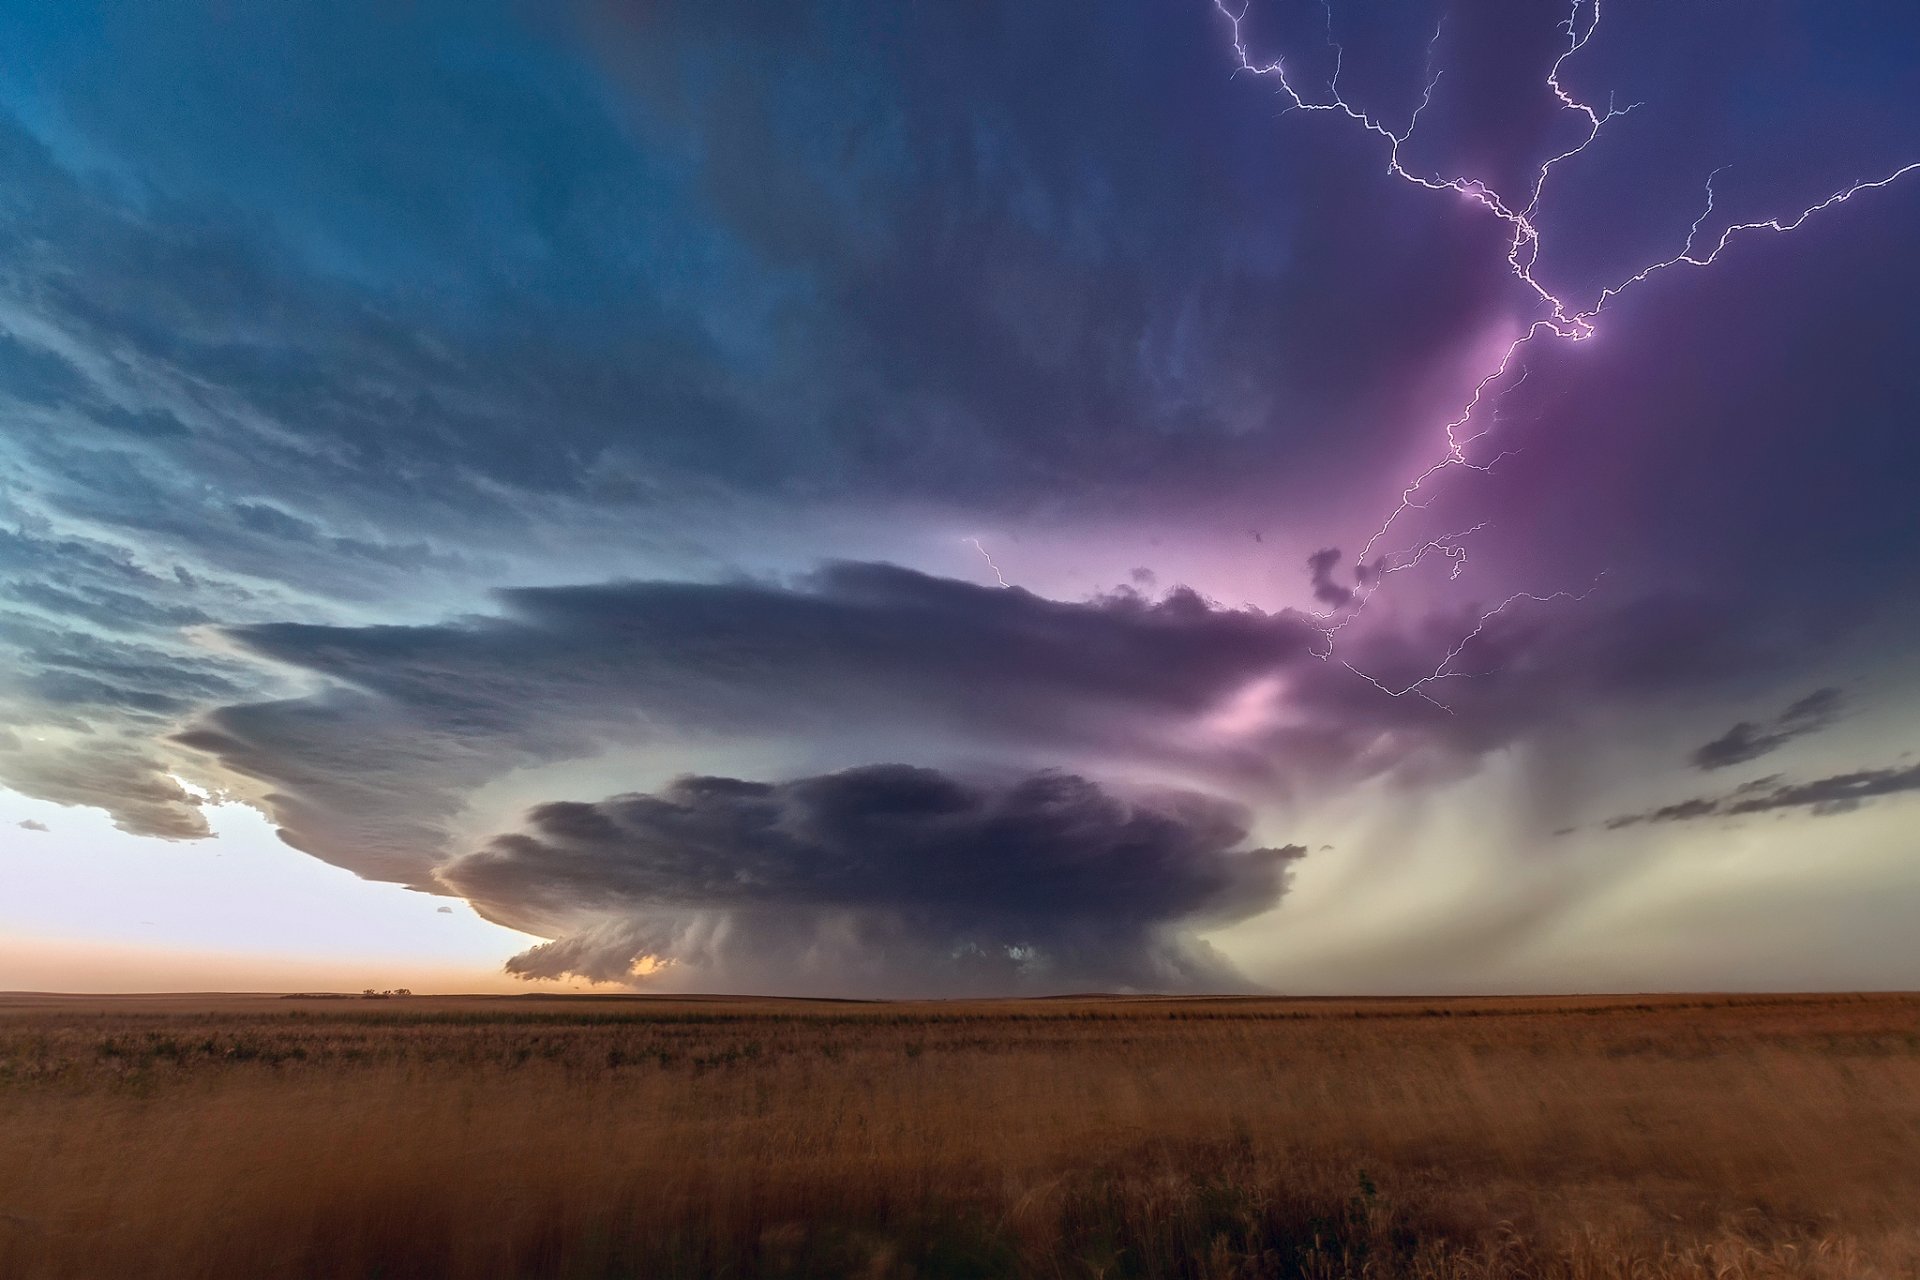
point(249, 1136)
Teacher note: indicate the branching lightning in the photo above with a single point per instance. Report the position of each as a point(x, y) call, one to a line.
point(1445, 670)
point(1562, 319)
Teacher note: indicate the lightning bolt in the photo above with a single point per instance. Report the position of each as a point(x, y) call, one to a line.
point(986, 555)
point(1560, 318)
point(1445, 671)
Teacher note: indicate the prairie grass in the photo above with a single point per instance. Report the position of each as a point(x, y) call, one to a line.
point(1723, 1137)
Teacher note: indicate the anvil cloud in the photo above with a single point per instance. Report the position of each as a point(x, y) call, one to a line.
point(371, 771)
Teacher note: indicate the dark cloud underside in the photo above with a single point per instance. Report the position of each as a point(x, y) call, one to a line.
point(880, 877)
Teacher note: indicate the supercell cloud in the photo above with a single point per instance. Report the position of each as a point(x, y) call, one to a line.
point(886, 877)
point(490, 411)
point(373, 771)
point(369, 771)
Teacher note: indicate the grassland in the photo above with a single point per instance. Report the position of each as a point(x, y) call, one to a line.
point(509, 1137)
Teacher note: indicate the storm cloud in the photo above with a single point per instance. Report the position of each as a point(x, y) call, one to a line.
point(369, 771)
point(372, 771)
point(1320, 568)
point(334, 339)
point(883, 877)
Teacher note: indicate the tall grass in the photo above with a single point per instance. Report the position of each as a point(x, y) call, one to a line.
point(1696, 1138)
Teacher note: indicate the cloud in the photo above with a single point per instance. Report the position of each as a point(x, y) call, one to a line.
point(32, 825)
point(882, 877)
point(370, 772)
point(1320, 567)
point(1822, 797)
point(373, 771)
point(117, 774)
point(356, 356)
point(1749, 741)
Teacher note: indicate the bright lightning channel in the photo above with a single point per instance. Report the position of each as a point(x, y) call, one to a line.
point(1563, 319)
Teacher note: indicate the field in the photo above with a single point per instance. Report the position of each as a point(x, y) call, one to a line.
point(257, 1136)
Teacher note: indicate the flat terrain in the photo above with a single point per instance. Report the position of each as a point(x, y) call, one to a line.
point(255, 1136)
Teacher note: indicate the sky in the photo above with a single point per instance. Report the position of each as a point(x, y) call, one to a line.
point(959, 498)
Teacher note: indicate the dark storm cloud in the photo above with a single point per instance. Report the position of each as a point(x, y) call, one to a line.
point(1822, 797)
point(884, 876)
point(368, 772)
point(343, 313)
point(1748, 740)
point(1534, 663)
point(1320, 567)
point(372, 771)
point(1127, 284)
point(890, 267)
point(384, 324)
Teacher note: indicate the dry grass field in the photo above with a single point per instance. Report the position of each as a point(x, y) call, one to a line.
point(519, 1137)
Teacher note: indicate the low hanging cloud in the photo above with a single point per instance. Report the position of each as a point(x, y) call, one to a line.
point(31, 824)
point(880, 878)
point(1821, 797)
point(1748, 740)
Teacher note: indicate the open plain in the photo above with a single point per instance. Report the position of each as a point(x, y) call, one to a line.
point(222, 1136)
